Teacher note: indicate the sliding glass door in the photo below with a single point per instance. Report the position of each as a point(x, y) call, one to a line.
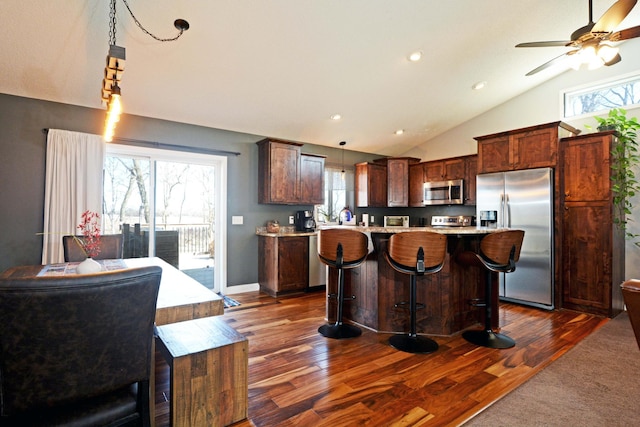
point(171, 205)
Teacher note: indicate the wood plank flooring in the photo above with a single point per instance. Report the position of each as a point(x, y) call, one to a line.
point(298, 377)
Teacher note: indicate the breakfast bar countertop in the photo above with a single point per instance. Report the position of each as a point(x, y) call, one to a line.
point(442, 230)
point(285, 231)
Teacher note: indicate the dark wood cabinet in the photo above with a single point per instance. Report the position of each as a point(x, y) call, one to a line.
point(445, 169)
point(397, 180)
point(283, 264)
point(470, 174)
point(287, 176)
point(371, 185)
point(311, 179)
point(416, 185)
point(592, 257)
point(526, 148)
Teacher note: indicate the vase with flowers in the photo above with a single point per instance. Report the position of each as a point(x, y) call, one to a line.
point(89, 242)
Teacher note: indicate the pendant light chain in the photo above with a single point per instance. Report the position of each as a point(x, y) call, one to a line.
point(112, 23)
point(181, 28)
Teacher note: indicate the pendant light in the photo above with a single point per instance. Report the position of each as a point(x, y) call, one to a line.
point(342, 144)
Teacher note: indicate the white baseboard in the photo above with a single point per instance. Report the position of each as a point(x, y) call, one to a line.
point(238, 289)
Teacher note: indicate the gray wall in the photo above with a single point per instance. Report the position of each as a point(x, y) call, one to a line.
point(22, 174)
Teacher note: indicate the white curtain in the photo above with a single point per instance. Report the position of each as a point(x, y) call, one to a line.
point(73, 185)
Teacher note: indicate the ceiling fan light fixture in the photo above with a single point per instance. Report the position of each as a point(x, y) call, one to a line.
point(607, 53)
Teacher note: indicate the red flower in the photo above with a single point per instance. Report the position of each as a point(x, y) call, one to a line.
point(90, 227)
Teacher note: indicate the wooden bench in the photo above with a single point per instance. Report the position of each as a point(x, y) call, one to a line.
point(208, 362)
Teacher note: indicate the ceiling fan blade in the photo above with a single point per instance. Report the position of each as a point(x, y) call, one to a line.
point(554, 61)
point(545, 44)
point(629, 33)
point(613, 16)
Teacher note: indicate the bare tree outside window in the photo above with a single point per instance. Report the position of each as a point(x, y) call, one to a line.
point(599, 98)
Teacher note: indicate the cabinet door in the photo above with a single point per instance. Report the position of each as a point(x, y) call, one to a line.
point(285, 172)
point(397, 183)
point(434, 171)
point(293, 263)
point(535, 149)
point(587, 257)
point(585, 163)
point(371, 185)
point(416, 185)
point(311, 179)
point(494, 155)
point(454, 168)
point(471, 172)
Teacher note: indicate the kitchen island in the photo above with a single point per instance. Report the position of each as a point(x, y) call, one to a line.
point(377, 287)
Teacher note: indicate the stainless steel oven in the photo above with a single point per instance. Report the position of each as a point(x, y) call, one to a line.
point(444, 192)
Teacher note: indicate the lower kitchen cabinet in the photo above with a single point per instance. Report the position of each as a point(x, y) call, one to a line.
point(283, 264)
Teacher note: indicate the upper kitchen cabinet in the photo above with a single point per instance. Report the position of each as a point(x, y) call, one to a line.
point(287, 176)
point(526, 148)
point(397, 180)
point(312, 178)
point(470, 173)
point(371, 185)
point(443, 170)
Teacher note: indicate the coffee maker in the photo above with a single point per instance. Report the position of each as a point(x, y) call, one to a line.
point(304, 221)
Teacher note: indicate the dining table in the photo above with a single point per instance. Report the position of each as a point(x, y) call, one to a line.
point(180, 297)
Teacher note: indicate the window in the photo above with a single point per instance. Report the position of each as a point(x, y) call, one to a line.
point(601, 97)
point(338, 193)
point(171, 205)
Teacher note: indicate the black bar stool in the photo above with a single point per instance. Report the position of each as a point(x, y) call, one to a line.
point(341, 249)
point(499, 252)
point(415, 253)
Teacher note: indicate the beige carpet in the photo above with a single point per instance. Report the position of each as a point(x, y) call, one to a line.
point(597, 383)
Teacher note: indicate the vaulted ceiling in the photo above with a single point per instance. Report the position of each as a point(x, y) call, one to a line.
point(282, 68)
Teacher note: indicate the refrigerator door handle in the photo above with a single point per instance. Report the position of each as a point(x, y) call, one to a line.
point(501, 217)
point(507, 210)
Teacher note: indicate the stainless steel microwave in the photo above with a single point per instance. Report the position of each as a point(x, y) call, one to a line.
point(444, 192)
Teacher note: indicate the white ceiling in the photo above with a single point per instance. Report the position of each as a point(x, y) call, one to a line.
point(281, 68)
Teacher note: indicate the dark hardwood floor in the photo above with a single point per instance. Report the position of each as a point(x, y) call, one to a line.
point(297, 377)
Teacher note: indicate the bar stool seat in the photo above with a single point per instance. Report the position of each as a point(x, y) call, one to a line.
point(499, 252)
point(341, 249)
point(415, 253)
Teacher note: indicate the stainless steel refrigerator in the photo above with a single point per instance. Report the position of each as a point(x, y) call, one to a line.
point(523, 200)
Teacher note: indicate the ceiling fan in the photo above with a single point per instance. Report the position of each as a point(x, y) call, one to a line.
point(588, 41)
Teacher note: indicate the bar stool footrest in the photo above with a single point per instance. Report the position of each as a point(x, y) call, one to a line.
point(488, 338)
point(403, 304)
point(477, 302)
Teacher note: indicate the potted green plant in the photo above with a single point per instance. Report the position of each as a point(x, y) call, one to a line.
point(625, 160)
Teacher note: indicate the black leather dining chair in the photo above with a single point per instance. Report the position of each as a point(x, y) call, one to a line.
point(76, 350)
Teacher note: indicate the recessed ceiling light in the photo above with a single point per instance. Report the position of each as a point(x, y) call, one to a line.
point(336, 117)
point(479, 85)
point(415, 56)
point(399, 132)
